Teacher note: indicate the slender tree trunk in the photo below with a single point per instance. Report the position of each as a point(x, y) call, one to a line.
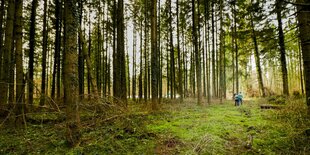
point(98, 51)
point(236, 49)
point(141, 64)
point(5, 78)
point(32, 49)
point(89, 48)
point(233, 58)
point(145, 53)
point(257, 60)
point(197, 54)
point(57, 45)
point(279, 6)
point(206, 14)
point(303, 16)
point(221, 54)
point(179, 55)
point(172, 61)
point(93, 82)
point(2, 12)
point(300, 67)
point(120, 56)
point(11, 81)
point(43, 81)
point(154, 55)
point(160, 82)
point(81, 59)
point(134, 63)
point(19, 62)
point(213, 51)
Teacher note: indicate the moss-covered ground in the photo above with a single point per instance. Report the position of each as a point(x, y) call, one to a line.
point(177, 128)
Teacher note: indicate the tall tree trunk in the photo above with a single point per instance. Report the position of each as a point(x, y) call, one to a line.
point(179, 55)
point(89, 48)
point(32, 49)
point(197, 54)
point(71, 73)
point(145, 82)
point(257, 59)
point(11, 81)
point(279, 6)
point(213, 51)
point(154, 55)
point(221, 54)
point(236, 49)
point(300, 67)
point(160, 81)
point(43, 80)
point(120, 56)
point(93, 82)
point(134, 42)
point(303, 16)
point(5, 78)
point(81, 59)
point(206, 14)
point(98, 50)
point(233, 58)
point(141, 63)
point(172, 61)
point(19, 62)
point(57, 45)
point(2, 12)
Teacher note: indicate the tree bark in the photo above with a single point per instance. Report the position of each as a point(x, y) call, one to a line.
point(19, 62)
point(81, 58)
point(141, 64)
point(71, 73)
point(120, 76)
point(32, 43)
point(172, 61)
point(213, 52)
point(134, 42)
point(180, 80)
point(93, 82)
point(2, 12)
point(300, 68)
point(206, 14)
point(236, 49)
point(303, 16)
point(43, 80)
point(57, 45)
point(5, 78)
point(257, 58)
point(279, 6)
point(197, 54)
point(154, 55)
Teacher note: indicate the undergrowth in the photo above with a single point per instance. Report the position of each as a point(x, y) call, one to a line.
point(177, 128)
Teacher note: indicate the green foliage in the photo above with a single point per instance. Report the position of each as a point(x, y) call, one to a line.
point(176, 129)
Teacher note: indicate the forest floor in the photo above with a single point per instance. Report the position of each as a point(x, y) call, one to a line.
point(177, 128)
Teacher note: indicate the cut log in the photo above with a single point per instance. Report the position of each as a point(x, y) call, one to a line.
point(270, 106)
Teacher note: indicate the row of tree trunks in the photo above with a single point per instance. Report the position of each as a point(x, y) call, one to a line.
point(5, 76)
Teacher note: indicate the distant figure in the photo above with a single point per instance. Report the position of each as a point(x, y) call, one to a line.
point(237, 100)
point(240, 96)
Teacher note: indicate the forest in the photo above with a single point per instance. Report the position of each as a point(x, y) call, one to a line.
point(154, 76)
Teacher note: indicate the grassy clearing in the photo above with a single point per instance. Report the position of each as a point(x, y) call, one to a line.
point(176, 129)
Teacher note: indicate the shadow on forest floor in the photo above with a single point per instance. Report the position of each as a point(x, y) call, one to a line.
point(178, 128)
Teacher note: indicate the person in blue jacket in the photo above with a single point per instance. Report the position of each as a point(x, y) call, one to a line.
point(237, 100)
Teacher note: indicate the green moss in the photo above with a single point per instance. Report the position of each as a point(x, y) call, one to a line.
point(176, 129)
